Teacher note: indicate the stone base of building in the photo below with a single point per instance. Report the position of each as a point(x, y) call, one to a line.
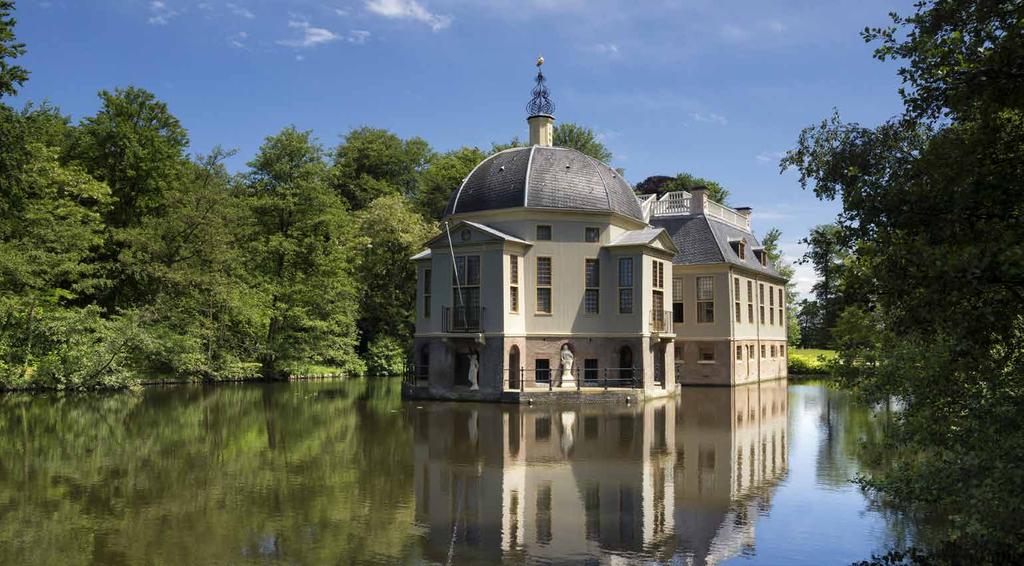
point(525, 369)
point(729, 362)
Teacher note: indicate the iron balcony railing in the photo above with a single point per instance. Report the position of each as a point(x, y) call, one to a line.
point(661, 321)
point(462, 319)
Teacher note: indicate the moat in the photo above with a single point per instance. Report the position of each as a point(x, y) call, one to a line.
point(345, 472)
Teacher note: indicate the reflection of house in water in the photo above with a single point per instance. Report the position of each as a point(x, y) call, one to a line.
point(674, 476)
point(732, 453)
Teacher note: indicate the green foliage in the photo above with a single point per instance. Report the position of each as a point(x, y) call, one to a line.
point(660, 184)
point(389, 232)
point(11, 76)
point(301, 250)
point(827, 252)
point(371, 163)
point(809, 361)
point(932, 295)
point(443, 177)
point(582, 139)
point(386, 356)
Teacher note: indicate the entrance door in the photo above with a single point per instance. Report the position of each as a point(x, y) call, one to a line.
point(659, 364)
point(461, 369)
point(625, 366)
point(513, 368)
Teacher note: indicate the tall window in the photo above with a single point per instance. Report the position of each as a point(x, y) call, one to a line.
point(762, 351)
point(781, 318)
point(625, 285)
point(591, 234)
point(771, 307)
point(705, 299)
point(736, 298)
point(426, 293)
point(513, 283)
point(542, 370)
point(760, 301)
point(739, 353)
point(658, 294)
point(678, 310)
point(750, 302)
point(543, 232)
point(592, 293)
point(544, 285)
point(467, 306)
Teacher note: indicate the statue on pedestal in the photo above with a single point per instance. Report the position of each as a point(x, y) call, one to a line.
point(567, 360)
point(474, 370)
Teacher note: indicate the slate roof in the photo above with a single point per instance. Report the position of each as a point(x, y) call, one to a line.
point(702, 240)
point(544, 177)
point(494, 232)
point(640, 237)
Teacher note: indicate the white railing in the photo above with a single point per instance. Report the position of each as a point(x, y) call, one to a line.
point(680, 204)
point(673, 204)
point(646, 202)
point(727, 214)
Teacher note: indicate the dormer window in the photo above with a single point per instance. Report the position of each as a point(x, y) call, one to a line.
point(739, 247)
point(762, 256)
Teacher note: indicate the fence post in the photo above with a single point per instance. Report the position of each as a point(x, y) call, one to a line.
point(578, 385)
point(606, 379)
point(522, 378)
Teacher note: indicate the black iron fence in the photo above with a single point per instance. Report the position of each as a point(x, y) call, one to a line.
point(462, 319)
point(606, 378)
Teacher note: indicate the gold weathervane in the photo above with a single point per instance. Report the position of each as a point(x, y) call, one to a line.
point(540, 60)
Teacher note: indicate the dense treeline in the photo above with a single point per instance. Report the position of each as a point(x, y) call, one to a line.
point(922, 289)
point(124, 257)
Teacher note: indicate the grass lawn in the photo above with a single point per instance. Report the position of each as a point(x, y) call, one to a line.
point(809, 361)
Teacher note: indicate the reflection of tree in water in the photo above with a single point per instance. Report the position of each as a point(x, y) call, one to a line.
point(298, 472)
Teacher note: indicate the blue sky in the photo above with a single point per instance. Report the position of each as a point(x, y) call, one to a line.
point(717, 88)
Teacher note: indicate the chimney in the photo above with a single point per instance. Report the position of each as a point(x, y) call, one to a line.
point(542, 129)
point(698, 199)
point(542, 122)
point(746, 212)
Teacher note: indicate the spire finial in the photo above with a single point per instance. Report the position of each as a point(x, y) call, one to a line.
point(541, 101)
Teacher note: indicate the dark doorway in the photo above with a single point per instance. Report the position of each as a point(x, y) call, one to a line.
point(659, 364)
point(626, 365)
point(513, 367)
point(423, 363)
point(461, 369)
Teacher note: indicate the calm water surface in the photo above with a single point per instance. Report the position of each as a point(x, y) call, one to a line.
point(345, 472)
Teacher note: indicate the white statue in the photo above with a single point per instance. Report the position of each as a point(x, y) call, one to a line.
point(568, 440)
point(567, 359)
point(474, 370)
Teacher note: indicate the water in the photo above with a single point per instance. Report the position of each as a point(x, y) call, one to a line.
point(345, 472)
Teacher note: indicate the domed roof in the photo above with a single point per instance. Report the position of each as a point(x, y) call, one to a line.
point(544, 177)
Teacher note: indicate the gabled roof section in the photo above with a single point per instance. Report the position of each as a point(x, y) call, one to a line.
point(480, 228)
point(425, 254)
point(645, 237)
point(702, 240)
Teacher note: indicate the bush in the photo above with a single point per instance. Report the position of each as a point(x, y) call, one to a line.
point(385, 356)
point(809, 362)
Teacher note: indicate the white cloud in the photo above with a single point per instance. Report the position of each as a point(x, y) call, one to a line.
point(709, 118)
point(770, 156)
point(732, 32)
point(341, 12)
point(241, 11)
point(238, 40)
point(358, 36)
point(311, 36)
point(300, 58)
point(610, 49)
point(161, 13)
point(408, 10)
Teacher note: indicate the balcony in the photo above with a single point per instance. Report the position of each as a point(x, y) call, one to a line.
point(462, 319)
point(661, 321)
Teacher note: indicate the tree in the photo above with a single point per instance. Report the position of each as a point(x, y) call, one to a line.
point(932, 207)
point(770, 241)
point(301, 250)
point(390, 232)
point(371, 163)
point(582, 139)
point(442, 177)
point(826, 253)
point(11, 76)
point(660, 184)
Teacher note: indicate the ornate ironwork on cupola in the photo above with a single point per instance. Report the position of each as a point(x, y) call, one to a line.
point(540, 107)
point(541, 101)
